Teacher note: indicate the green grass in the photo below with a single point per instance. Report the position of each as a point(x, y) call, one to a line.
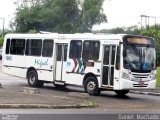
point(158, 77)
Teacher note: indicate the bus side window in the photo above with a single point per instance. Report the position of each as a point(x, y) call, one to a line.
point(75, 49)
point(118, 58)
point(34, 47)
point(113, 55)
point(17, 46)
point(59, 53)
point(91, 50)
point(47, 48)
point(65, 52)
point(7, 46)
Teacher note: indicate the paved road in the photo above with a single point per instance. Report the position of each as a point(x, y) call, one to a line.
point(107, 99)
point(6, 79)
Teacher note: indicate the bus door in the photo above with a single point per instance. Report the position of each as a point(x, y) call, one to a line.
point(61, 56)
point(109, 72)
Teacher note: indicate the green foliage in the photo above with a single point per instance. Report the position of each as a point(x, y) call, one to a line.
point(1, 40)
point(158, 77)
point(112, 31)
point(92, 14)
point(27, 18)
point(121, 30)
point(32, 31)
point(2, 34)
point(62, 16)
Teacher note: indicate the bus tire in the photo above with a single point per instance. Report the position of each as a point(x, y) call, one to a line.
point(33, 79)
point(121, 92)
point(91, 86)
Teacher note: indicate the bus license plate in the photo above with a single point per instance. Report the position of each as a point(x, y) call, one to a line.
point(141, 83)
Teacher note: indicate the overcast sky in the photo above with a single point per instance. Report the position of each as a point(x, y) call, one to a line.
point(119, 12)
point(127, 12)
point(7, 10)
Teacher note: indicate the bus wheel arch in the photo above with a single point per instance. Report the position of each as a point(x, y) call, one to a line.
point(29, 69)
point(91, 85)
point(32, 78)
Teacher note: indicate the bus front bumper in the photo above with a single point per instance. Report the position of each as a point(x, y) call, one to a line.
point(128, 84)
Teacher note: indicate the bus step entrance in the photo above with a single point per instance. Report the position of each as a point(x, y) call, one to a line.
point(59, 83)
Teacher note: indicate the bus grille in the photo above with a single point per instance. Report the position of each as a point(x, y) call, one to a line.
point(140, 77)
point(137, 85)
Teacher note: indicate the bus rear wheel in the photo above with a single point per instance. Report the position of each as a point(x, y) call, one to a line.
point(91, 86)
point(121, 92)
point(33, 79)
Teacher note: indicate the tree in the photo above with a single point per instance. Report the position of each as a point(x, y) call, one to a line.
point(63, 16)
point(27, 16)
point(1, 40)
point(133, 30)
point(92, 14)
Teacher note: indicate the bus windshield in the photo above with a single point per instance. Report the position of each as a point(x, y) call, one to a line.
point(139, 57)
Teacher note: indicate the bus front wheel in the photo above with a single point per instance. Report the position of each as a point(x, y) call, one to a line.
point(91, 86)
point(33, 79)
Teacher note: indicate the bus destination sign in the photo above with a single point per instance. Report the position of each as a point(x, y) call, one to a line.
point(137, 40)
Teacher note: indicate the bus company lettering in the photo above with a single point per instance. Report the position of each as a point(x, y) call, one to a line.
point(40, 63)
point(9, 58)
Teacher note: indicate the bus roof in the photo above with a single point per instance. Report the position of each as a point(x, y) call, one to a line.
point(67, 36)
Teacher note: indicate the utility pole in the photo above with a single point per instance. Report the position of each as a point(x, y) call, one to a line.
point(3, 25)
point(155, 22)
point(83, 12)
point(147, 20)
point(144, 16)
point(141, 21)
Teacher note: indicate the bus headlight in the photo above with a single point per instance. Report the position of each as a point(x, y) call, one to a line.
point(153, 77)
point(125, 76)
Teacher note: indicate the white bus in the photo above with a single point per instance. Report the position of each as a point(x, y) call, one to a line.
point(96, 62)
